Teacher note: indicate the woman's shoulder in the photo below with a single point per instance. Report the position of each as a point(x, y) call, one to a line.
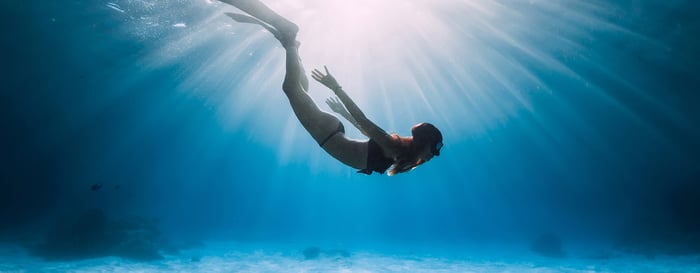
point(396, 144)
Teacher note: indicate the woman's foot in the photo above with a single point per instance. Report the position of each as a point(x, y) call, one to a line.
point(287, 34)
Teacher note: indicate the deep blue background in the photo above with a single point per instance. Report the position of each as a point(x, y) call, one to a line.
point(79, 109)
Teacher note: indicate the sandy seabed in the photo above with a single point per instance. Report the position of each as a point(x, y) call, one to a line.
point(250, 259)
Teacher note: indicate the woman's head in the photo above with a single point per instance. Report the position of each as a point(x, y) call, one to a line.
point(425, 134)
point(425, 143)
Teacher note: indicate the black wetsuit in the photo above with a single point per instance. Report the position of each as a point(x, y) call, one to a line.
point(376, 161)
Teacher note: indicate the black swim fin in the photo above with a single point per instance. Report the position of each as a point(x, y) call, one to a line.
point(242, 18)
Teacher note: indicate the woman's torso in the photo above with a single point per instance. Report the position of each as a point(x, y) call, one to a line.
point(366, 155)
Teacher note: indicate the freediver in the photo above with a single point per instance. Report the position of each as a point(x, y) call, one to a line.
point(381, 151)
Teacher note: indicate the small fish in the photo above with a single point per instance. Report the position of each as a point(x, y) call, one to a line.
point(96, 187)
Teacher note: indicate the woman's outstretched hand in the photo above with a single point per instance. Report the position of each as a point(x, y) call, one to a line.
point(337, 106)
point(328, 80)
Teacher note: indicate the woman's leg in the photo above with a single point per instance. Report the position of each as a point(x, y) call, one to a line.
point(318, 123)
point(324, 127)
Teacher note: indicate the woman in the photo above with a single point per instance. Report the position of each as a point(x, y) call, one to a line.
point(382, 151)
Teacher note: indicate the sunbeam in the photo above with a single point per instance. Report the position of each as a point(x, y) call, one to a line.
point(465, 65)
point(158, 130)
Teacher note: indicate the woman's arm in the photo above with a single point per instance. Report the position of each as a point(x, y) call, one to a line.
point(338, 107)
point(364, 124)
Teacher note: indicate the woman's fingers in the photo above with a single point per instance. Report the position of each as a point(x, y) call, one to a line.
point(317, 75)
point(326, 79)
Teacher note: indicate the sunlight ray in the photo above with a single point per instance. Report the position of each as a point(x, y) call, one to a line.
point(403, 62)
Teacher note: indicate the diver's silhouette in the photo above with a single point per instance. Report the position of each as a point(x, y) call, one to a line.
point(382, 151)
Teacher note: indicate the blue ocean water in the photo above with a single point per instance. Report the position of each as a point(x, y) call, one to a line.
point(154, 136)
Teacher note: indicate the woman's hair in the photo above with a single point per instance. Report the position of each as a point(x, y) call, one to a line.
point(426, 134)
point(422, 134)
point(406, 160)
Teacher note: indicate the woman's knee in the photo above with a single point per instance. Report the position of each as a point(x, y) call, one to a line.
point(291, 87)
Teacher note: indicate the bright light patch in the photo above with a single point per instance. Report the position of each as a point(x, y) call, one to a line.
point(466, 66)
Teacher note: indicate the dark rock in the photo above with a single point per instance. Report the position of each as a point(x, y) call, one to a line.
point(312, 253)
point(316, 252)
point(548, 245)
point(92, 235)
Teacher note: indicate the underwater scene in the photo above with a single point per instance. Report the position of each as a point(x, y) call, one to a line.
point(187, 136)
